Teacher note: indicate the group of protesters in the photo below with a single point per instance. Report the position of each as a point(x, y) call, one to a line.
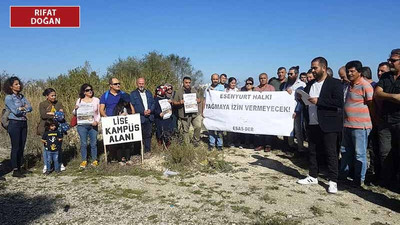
point(340, 120)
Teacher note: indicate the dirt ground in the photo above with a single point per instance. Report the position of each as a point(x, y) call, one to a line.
point(260, 188)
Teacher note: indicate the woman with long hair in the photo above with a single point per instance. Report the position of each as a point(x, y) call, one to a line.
point(18, 107)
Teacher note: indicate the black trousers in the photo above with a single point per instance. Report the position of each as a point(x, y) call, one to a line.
point(146, 134)
point(322, 142)
point(17, 129)
point(389, 145)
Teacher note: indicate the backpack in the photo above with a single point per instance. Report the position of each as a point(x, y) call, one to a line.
point(108, 92)
point(4, 117)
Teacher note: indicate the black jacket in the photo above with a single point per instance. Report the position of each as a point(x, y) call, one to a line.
point(329, 105)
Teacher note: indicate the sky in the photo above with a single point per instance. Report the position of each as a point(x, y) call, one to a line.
point(240, 38)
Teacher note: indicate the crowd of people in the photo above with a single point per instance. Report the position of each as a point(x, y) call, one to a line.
point(340, 120)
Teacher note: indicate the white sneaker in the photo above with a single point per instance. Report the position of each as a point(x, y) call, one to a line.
point(44, 169)
point(308, 180)
point(62, 167)
point(332, 187)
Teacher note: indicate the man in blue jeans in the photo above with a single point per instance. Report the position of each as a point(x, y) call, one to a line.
point(215, 137)
point(143, 102)
point(357, 124)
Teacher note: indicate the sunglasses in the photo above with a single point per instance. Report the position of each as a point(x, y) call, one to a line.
point(87, 90)
point(249, 83)
point(393, 60)
point(290, 74)
point(116, 84)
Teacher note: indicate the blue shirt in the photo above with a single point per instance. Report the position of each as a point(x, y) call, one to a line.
point(110, 102)
point(219, 87)
point(13, 103)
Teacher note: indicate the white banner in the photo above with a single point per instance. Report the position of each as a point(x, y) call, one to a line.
point(121, 129)
point(250, 112)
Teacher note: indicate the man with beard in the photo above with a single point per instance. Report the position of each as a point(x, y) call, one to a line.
point(324, 122)
point(143, 102)
point(279, 82)
point(187, 119)
point(293, 84)
point(388, 90)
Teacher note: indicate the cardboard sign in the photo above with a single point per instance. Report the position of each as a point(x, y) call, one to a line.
point(121, 129)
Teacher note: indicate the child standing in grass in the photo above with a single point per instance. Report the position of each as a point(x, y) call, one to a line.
point(52, 140)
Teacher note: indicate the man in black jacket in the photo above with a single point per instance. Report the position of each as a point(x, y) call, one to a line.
point(324, 117)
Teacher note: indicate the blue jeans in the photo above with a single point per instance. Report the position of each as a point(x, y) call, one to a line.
point(354, 153)
point(215, 136)
point(45, 158)
point(84, 132)
point(52, 157)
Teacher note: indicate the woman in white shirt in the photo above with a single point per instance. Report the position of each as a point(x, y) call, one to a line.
point(233, 138)
point(88, 117)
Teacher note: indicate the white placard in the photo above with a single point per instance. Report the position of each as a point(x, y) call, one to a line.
point(85, 113)
point(268, 113)
point(121, 129)
point(165, 108)
point(190, 102)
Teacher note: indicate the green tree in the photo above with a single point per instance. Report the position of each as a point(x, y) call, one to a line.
point(182, 67)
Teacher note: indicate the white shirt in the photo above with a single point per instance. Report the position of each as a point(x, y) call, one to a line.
point(231, 90)
point(315, 90)
point(144, 100)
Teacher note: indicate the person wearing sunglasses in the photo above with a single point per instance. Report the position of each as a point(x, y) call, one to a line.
point(110, 98)
point(292, 85)
point(388, 91)
point(170, 93)
point(247, 139)
point(88, 117)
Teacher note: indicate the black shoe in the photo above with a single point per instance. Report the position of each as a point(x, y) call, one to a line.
point(219, 148)
point(47, 173)
point(25, 171)
point(17, 173)
point(2, 179)
point(210, 148)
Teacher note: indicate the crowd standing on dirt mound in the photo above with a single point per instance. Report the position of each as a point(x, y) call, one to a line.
point(351, 124)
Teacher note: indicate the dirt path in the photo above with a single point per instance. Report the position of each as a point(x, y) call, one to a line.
point(261, 189)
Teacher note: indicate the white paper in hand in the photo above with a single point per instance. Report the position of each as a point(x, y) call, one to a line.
point(304, 96)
